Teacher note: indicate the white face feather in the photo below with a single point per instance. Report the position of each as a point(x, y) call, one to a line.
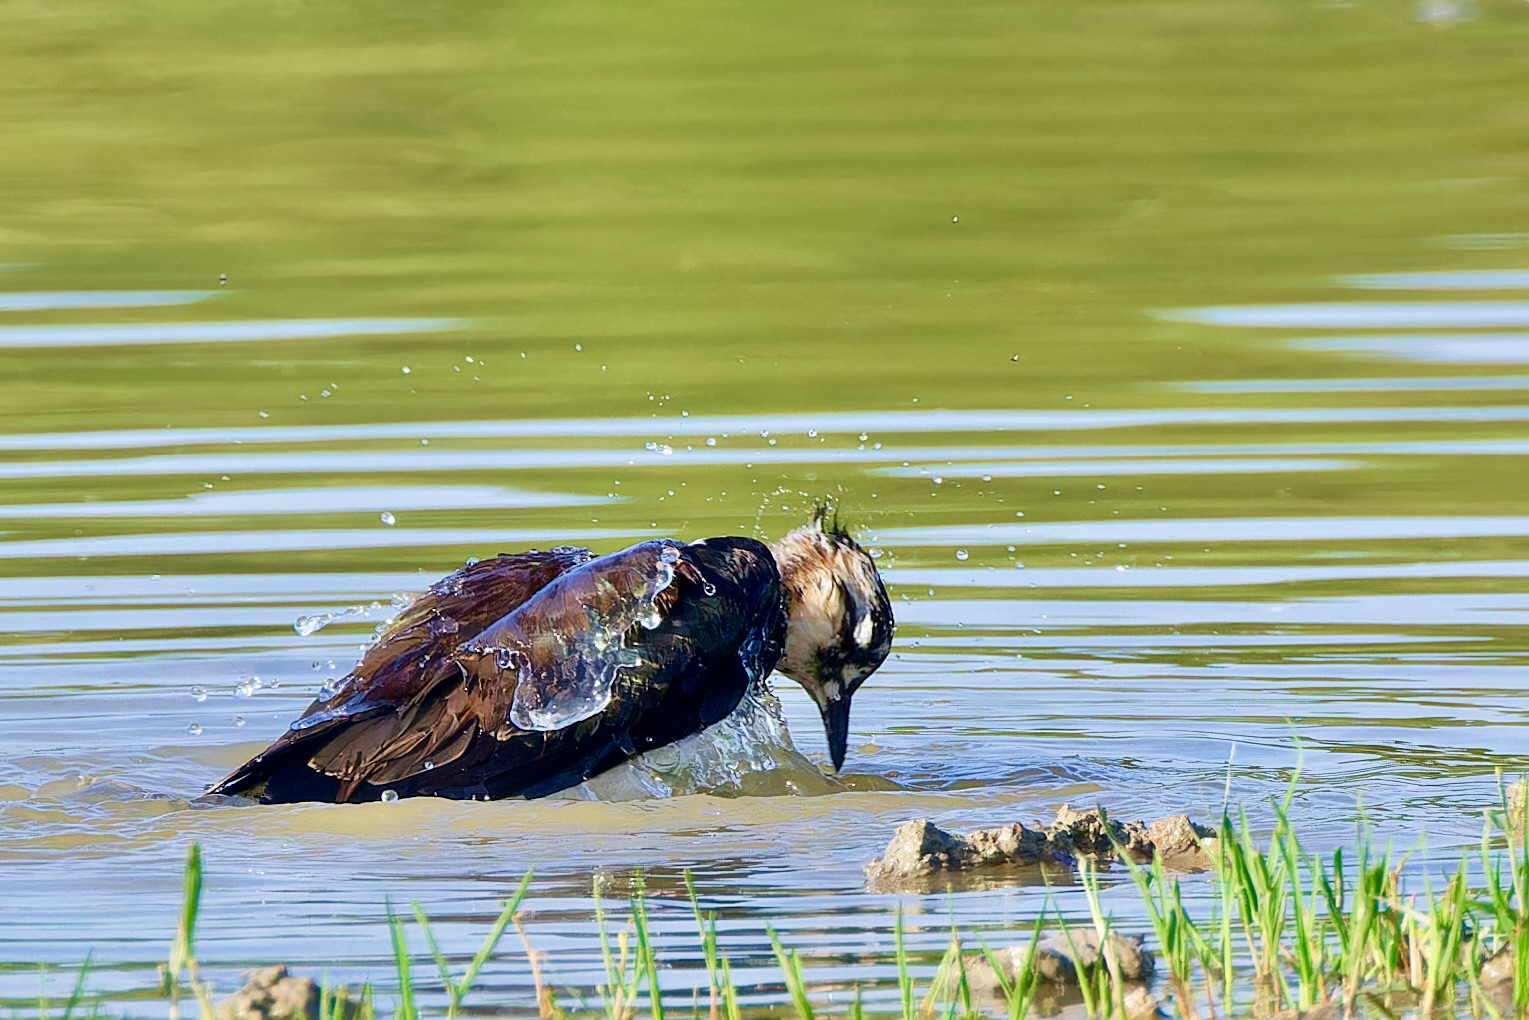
point(814, 625)
point(834, 602)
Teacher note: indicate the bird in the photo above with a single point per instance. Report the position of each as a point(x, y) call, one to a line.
point(525, 674)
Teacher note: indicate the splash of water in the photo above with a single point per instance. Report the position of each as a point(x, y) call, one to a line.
point(578, 678)
point(750, 750)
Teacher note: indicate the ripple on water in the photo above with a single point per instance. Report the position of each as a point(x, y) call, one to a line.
point(740, 431)
point(1361, 315)
point(1213, 529)
point(116, 335)
point(1444, 348)
point(291, 501)
point(228, 542)
point(1475, 279)
point(38, 301)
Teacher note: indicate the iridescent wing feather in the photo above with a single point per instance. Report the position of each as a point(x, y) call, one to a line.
point(585, 663)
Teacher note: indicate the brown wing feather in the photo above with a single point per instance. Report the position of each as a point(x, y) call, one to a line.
point(407, 702)
point(564, 650)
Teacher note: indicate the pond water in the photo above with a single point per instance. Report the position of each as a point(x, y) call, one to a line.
point(1174, 356)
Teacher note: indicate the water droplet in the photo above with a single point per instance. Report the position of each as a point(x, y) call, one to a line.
point(238, 720)
point(578, 347)
point(708, 588)
point(389, 796)
point(938, 480)
point(246, 688)
point(864, 436)
point(962, 554)
point(195, 729)
point(388, 519)
point(812, 433)
point(429, 765)
point(711, 440)
point(199, 694)
point(406, 370)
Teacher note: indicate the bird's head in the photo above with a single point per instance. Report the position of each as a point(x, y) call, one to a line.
point(838, 619)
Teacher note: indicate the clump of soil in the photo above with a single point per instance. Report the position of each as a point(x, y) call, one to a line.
point(271, 993)
point(1059, 958)
point(1497, 972)
point(920, 849)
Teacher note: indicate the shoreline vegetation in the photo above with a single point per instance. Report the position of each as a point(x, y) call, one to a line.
point(1289, 934)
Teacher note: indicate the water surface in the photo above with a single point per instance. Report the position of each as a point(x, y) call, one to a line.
point(1057, 302)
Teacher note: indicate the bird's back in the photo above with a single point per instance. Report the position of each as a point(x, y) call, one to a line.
point(523, 675)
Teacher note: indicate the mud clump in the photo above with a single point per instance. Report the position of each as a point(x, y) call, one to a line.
point(271, 993)
point(1060, 958)
point(921, 849)
point(1497, 976)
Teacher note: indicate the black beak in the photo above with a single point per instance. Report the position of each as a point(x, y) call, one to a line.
point(836, 725)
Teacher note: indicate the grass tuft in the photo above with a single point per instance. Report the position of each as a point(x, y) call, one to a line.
point(1285, 930)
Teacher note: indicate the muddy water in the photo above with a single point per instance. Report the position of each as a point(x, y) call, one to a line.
point(1174, 358)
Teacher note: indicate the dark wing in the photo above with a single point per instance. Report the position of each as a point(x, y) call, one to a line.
point(403, 701)
point(605, 659)
point(563, 651)
point(666, 638)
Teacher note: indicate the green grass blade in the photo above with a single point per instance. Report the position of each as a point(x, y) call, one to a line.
point(401, 963)
point(791, 969)
point(77, 993)
point(495, 935)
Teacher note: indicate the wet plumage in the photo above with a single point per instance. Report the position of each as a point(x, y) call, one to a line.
point(525, 674)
